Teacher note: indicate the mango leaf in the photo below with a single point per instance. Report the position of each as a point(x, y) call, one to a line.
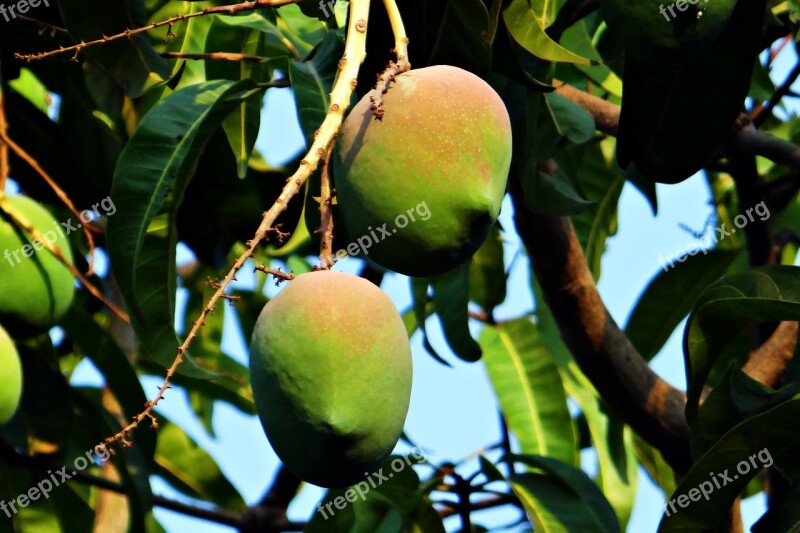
point(564, 499)
point(571, 120)
point(242, 126)
point(133, 63)
point(765, 294)
point(190, 469)
point(670, 296)
point(423, 308)
point(312, 81)
point(674, 118)
point(451, 301)
point(487, 277)
point(658, 469)
point(527, 26)
point(152, 174)
point(765, 436)
point(463, 38)
point(612, 440)
point(529, 390)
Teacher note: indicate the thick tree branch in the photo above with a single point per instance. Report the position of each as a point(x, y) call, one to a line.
point(768, 363)
point(652, 407)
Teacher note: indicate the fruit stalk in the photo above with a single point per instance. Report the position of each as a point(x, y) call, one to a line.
point(343, 87)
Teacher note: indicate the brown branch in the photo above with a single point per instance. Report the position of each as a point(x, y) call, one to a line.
point(326, 214)
point(651, 406)
point(279, 274)
point(29, 159)
point(382, 86)
point(128, 33)
point(215, 56)
point(769, 362)
point(606, 114)
point(345, 83)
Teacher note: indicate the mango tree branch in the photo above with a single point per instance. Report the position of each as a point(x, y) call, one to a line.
point(769, 362)
point(652, 407)
point(231, 9)
point(343, 87)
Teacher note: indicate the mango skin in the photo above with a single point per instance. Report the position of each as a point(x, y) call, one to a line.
point(10, 377)
point(658, 39)
point(36, 291)
point(330, 368)
point(445, 140)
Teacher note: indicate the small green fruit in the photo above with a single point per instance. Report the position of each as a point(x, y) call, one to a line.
point(431, 173)
point(37, 288)
point(330, 367)
point(10, 377)
point(658, 33)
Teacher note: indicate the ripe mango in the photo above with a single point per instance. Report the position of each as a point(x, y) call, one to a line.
point(330, 367)
point(431, 173)
point(10, 377)
point(36, 289)
point(659, 33)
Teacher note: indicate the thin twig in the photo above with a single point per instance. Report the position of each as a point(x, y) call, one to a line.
point(766, 110)
point(394, 69)
point(326, 215)
point(128, 33)
point(25, 156)
point(21, 221)
point(280, 275)
point(346, 81)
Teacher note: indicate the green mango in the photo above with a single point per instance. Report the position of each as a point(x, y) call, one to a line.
point(10, 377)
point(330, 368)
point(419, 189)
point(667, 32)
point(36, 289)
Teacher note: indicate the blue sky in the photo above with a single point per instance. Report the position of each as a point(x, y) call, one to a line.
point(453, 411)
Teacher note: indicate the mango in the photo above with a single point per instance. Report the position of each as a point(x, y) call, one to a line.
point(36, 289)
point(665, 32)
point(10, 377)
point(330, 368)
point(420, 188)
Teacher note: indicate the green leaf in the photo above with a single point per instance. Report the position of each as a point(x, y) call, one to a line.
point(463, 38)
point(190, 469)
point(612, 440)
point(552, 195)
point(152, 174)
point(674, 118)
point(133, 63)
point(562, 500)
point(451, 301)
point(487, 277)
point(571, 120)
point(312, 81)
point(423, 308)
point(670, 296)
point(766, 436)
point(765, 294)
point(242, 126)
point(527, 26)
point(529, 389)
